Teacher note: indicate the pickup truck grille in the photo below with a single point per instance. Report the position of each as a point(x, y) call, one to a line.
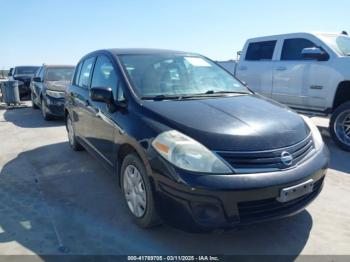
point(268, 160)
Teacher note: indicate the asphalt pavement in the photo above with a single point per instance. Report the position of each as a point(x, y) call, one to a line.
point(56, 201)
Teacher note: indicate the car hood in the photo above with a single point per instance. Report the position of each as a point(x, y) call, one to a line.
point(237, 123)
point(57, 85)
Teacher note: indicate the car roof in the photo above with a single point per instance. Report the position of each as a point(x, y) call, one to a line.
point(297, 34)
point(143, 51)
point(136, 51)
point(26, 66)
point(57, 66)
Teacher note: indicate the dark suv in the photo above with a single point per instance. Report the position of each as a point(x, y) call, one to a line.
point(48, 89)
point(189, 143)
point(23, 74)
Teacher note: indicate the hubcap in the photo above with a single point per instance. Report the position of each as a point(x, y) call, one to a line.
point(134, 190)
point(342, 127)
point(70, 131)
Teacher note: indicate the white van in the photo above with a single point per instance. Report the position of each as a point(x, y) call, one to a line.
point(309, 72)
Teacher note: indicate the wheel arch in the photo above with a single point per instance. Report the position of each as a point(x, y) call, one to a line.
point(131, 147)
point(342, 94)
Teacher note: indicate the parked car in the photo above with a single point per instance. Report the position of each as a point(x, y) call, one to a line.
point(48, 89)
point(23, 74)
point(10, 73)
point(189, 143)
point(308, 72)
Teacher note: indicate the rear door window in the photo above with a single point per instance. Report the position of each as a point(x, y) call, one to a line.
point(292, 48)
point(258, 51)
point(85, 72)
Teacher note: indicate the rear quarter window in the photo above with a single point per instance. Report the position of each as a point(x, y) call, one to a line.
point(258, 51)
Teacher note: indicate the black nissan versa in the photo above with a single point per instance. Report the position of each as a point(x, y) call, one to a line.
point(189, 143)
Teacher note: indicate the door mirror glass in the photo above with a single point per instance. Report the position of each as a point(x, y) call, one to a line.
point(37, 79)
point(102, 94)
point(10, 73)
point(314, 53)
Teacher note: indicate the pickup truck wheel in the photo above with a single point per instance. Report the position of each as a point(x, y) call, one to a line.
point(75, 145)
point(340, 126)
point(34, 106)
point(138, 192)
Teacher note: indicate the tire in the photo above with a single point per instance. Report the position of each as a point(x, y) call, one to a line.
point(34, 106)
point(44, 113)
point(145, 215)
point(74, 144)
point(339, 126)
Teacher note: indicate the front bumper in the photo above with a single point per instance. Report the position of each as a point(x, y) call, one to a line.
point(224, 201)
point(55, 106)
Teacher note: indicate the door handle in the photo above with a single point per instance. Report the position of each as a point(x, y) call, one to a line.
point(87, 102)
point(280, 68)
point(243, 68)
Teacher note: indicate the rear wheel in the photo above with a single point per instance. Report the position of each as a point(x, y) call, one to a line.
point(44, 113)
point(340, 126)
point(75, 145)
point(137, 192)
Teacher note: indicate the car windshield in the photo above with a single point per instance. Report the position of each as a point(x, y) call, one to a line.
point(26, 70)
point(178, 75)
point(340, 43)
point(59, 74)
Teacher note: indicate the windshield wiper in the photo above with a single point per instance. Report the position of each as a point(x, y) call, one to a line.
point(179, 97)
point(161, 97)
point(213, 92)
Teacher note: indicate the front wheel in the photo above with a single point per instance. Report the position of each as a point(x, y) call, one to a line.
point(340, 126)
point(137, 192)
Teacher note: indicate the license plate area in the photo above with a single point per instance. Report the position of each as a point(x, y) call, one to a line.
point(293, 192)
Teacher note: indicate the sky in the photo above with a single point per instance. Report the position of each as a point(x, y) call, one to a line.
point(33, 32)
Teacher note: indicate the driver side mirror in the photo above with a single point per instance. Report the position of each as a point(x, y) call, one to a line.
point(105, 95)
point(100, 94)
point(314, 53)
point(37, 79)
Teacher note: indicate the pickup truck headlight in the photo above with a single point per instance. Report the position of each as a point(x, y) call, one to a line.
point(318, 140)
point(55, 94)
point(186, 153)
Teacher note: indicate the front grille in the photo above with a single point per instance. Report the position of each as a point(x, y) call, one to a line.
point(268, 208)
point(268, 160)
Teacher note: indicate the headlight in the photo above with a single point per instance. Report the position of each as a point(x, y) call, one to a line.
point(55, 94)
point(186, 153)
point(315, 132)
